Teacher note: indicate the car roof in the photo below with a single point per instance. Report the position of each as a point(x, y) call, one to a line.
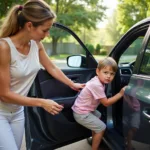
point(142, 22)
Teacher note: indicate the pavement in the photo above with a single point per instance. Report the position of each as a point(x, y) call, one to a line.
point(23, 146)
point(80, 145)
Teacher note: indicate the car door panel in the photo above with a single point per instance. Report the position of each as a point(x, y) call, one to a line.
point(116, 134)
point(137, 102)
point(136, 108)
point(52, 130)
point(45, 131)
point(47, 83)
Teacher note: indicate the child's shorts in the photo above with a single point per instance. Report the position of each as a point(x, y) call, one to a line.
point(91, 121)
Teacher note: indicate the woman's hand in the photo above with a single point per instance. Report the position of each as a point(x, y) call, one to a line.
point(77, 86)
point(52, 107)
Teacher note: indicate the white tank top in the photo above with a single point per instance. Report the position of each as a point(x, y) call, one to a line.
point(23, 70)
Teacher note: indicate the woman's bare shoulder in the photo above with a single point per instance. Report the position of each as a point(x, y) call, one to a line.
point(4, 46)
point(4, 50)
point(40, 45)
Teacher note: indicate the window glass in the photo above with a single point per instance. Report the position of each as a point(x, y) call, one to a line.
point(61, 44)
point(131, 52)
point(145, 66)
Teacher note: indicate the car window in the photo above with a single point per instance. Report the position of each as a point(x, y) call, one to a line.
point(145, 66)
point(60, 45)
point(131, 52)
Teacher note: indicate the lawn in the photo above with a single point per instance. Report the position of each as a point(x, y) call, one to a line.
point(61, 56)
point(64, 56)
point(123, 59)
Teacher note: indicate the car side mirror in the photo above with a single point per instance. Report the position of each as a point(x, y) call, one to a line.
point(76, 61)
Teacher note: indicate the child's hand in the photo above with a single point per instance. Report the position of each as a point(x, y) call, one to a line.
point(122, 90)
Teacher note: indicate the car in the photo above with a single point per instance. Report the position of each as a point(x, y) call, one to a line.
point(127, 121)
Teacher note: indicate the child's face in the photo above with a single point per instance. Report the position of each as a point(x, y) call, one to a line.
point(106, 74)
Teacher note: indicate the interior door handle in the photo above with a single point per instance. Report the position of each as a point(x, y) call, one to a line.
point(75, 79)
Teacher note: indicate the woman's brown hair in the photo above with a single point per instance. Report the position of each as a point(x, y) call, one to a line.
point(35, 11)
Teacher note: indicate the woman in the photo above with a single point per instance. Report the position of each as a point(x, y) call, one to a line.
point(21, 54)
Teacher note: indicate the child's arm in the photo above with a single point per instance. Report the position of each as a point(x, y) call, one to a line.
point(107, 102)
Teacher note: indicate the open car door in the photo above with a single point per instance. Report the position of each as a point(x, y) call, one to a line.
point(45, 131)
point(128, 120)
point(136, 108)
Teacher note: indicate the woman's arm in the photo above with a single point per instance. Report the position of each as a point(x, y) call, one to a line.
point(55, 71)
point(8, 96)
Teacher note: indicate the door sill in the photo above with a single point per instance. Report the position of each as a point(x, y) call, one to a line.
point(114, 140)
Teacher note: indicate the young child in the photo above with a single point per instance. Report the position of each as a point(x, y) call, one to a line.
point(84, 108)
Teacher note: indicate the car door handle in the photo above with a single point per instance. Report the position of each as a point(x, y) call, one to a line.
point(146, 113)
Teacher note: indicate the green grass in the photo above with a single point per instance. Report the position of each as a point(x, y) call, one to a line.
point(61, 56)
point(64, 56)
point(98, 57)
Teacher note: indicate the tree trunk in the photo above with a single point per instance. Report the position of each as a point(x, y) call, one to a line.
point(54, 46)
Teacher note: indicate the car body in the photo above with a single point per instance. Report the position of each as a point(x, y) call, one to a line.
point(132, 53)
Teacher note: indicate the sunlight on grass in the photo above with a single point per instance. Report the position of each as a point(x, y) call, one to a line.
point(123, 59)
point(64, 56)
point(61, 56)
point(99, 57)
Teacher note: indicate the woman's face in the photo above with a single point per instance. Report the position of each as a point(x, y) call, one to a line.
point(40, 32)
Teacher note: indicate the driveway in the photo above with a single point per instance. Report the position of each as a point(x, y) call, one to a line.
point(81, 145)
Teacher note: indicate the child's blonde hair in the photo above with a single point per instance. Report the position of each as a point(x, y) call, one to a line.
point(109, 61)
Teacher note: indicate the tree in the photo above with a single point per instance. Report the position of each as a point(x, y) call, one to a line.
point(6, 4)
point(130, 12)
point(76, 14)
point(112, 30)
point(97, 49)
point(90, 48)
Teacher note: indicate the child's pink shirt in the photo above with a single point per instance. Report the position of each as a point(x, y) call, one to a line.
point(90, 96)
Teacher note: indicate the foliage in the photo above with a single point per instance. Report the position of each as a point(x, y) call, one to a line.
point(97, 49)
point(5, 5)
point(130, 12)
point(112, 29)
point(103, 52)
point(134, 47)
point(77, 15)
point(90, 47)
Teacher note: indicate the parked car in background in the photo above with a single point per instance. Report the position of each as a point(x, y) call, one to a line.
point(128, 120)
